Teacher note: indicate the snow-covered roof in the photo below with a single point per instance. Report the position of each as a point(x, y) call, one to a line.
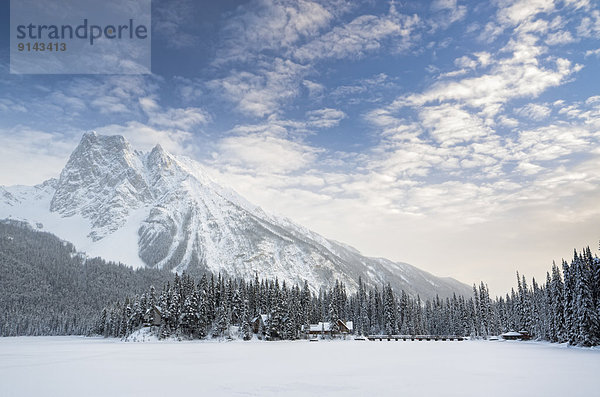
point(322, 326)
point(157, 308)
point(512, 333)
point(263, 318)
point(326, 326)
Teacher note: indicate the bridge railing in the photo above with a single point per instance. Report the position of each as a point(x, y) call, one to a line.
point(417, 337)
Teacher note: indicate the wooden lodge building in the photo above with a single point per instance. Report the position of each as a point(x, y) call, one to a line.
point(258, 324)
point(152, 317)
point(338, 328)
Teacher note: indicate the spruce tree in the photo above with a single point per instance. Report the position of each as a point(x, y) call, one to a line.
point(389, 309)
point(245, 329)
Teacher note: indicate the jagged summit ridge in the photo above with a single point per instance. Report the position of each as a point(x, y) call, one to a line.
point(161, 210)
point(102, 181)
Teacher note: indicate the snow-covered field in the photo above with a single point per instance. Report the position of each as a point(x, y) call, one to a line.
point(76, 366)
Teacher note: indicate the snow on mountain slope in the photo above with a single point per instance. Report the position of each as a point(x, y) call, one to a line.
point(156, 209)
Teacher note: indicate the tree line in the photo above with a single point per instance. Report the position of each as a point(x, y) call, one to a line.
point(47, 288)
point(563, 309)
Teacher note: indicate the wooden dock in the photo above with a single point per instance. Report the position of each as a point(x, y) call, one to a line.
point(416, 338)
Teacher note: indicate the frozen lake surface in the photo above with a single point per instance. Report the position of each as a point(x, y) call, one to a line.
point(76, 366)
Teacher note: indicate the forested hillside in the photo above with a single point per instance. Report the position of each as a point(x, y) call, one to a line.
point(47, 288)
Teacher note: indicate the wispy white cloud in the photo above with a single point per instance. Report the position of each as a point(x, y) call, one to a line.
point(513, 12)
point(354, 93)
point(30, 156)
point(315, 90)
point(108, 95)
point(270, 25)
point(275, 45)
point(169, 21)
point(144, 137)
point(447, 13)
point(534, 111)
point(263, 92)
point(450, 124)
point(175, 118)
point(189, 90)
point(519, 75)
point(595, 52)
point(590, 25)
point(325, 118)
point(109, 104)
point(560, 38)
point(264, 148)
point(9, 105)
point(364, 34)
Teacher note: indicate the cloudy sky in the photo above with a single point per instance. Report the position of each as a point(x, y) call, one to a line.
point(461, 137)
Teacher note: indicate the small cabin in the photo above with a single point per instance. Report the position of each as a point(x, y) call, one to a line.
point(329, 328)
point(152, 317)
point(258, 324)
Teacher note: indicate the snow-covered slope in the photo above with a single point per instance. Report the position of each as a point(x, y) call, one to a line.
point(156, 209)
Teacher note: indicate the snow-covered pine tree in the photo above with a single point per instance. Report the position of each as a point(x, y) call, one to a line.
point(222, 323)
point(485, 309)
point(569, 304)
point(389, 311)
point(403, 314)
point(525, 319)
point(236, 306)
point(477, 311)
point(593, 278)
point(538, 324)
point(333, 315)
point(305, 303)
point(245, 329)
point(189, 316)
point(585, 313)
point(550, 326)
point(275, 321)
point(558, 315)
point(100, 327)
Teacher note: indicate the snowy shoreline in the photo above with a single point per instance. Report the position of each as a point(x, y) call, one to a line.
point(138, 338)
point(75, 366)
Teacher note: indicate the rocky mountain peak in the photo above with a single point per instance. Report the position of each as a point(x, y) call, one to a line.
point(159, 158)
point(102, 181)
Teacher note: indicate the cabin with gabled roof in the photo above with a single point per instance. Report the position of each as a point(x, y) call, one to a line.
point(331, 329)
point(152, 317)
point(258, 325)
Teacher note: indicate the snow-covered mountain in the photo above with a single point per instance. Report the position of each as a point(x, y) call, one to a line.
point(156, 209)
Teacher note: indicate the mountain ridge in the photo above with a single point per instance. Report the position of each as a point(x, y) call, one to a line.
point(158, 210)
